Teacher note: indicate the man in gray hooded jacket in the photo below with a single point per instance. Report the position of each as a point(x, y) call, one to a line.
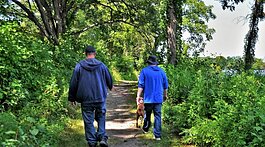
point(89, 85)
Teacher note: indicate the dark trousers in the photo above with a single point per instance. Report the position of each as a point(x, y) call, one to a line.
point(156, 108)
point(90, 112)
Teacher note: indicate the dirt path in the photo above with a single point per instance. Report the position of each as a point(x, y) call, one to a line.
point(120, 123)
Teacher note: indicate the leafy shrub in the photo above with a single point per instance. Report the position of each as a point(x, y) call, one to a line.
point(32, 87)
point(181, 81)
point(125, 66)
point(8, 129)
point(217, 109)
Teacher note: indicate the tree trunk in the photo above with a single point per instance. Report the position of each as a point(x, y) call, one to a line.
point(252, 35)
point(174, 16)
point(171, 31)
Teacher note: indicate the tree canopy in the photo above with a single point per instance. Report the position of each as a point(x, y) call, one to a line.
point(42, 40)
point(55, 20)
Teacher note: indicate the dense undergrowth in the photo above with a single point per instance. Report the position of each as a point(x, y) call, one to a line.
point(33, 77)
point(209, 107)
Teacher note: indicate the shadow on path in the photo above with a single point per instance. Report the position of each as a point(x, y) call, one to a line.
point(120, 121)
point(120, 124)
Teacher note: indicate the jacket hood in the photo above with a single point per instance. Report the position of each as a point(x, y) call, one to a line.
point(90, 64)
point(154, 68)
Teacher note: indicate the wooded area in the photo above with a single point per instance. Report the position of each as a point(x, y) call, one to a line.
point(42, 40)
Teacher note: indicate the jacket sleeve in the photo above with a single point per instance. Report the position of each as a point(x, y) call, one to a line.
point(141, 83)
point(74, 84)
point(109, 80)
point(165, 81)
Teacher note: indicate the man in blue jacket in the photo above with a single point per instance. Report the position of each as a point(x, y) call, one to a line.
point(89, 85)
point(153, 83)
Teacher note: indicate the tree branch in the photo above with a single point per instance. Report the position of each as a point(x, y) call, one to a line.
point(70, 6)
point(105, 5)
point(129, 8)
point(29, 4)
point(49, 14)
point(64, 13)
point(45, 20)
point(16, 13)
point(31, 16)
point(58, 20)
point(71, 16)
point(43, 17)
point(102, 23)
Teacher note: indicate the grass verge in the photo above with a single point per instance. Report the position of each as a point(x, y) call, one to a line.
point(73, 134)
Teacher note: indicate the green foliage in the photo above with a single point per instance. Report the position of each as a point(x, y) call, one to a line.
point(195, 16)
point(30, 87)
point(126, 68)
point(180, 82)
point(230, 4)
point(8, 129)
point(258, 64)
point(133, 29)
point(235, 63)
point(217, 109)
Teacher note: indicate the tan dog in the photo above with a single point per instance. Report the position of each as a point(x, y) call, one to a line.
point(140, 111)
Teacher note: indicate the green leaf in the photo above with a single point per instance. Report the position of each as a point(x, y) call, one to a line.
point(10, 132)
point(12, 140)
point(34, 132)
point(257, 128)
point(30, 119)
point(41, 128)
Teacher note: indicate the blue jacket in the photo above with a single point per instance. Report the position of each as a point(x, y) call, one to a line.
point(153, 80)
point(90, 82)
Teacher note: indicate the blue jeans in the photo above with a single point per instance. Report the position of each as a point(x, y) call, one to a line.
point(90, 112)
point(156, 108)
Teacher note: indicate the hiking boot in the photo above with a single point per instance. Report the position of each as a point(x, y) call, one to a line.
point(92, 145)
point(157, 139)
point(103, 143)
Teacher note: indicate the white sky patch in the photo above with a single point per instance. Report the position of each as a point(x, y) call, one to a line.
point(228, 40)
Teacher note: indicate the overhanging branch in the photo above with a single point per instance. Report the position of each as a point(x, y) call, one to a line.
point(31, 16)
point(99, 24)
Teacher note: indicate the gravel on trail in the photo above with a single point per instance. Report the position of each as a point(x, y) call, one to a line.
point(120, 119)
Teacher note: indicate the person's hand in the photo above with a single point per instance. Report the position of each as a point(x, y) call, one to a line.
point(139, 100)
point(165, 97)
